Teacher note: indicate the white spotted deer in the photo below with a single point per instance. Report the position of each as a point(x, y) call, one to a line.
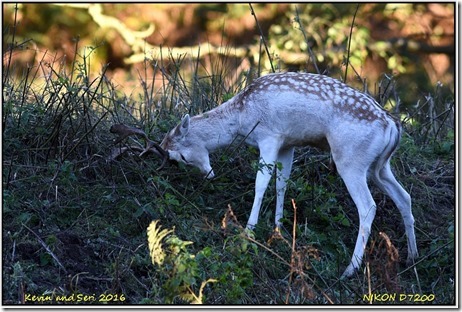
point(280, 111)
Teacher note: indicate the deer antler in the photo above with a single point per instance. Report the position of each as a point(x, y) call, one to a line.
point(124, 131)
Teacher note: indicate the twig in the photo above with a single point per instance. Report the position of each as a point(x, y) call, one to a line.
point(310, 52)
point(46, 248)
point(292, 257)
point(267, 249)
point(411, 267)
point(349, 43)
point(12, 47)
point(84, 136)
point(13, 253)
point(417, 279)
point(262, 38)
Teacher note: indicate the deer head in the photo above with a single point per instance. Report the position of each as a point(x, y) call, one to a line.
point(187, 148)
point(176, 146)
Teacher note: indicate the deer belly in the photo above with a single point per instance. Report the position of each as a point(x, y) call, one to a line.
point(303, 138)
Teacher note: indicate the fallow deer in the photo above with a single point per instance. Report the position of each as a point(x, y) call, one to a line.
point(280, 111)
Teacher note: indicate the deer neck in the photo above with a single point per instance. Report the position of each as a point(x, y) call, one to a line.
point(216, 128)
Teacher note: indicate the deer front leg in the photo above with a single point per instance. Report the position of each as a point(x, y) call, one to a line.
point(268, 156)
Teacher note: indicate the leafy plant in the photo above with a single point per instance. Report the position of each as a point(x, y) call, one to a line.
point(176, 263)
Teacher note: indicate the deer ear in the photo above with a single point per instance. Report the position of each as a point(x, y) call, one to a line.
point(184, 125)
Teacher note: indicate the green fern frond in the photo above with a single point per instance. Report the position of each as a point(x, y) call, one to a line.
point(176, 245)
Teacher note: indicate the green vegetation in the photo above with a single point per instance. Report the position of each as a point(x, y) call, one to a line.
point(75, 224)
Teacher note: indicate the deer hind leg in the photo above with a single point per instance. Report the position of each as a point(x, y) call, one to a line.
point(387, 182)
point(268, 156)
point(285, 158)
point(355, 178)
